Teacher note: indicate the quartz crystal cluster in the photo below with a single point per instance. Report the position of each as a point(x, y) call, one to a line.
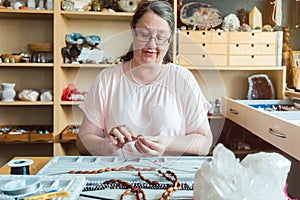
point(258, 176)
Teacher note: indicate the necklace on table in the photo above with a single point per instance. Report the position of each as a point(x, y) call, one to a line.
point(140, 83)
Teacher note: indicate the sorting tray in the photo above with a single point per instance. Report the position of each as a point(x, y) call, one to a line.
point(73, 185)
point(64, 164)
point(184, 167)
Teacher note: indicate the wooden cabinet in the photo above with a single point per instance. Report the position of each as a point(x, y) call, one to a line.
point(223, 61)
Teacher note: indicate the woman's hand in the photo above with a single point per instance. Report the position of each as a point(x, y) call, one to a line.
point(120, 135)
point(150, 146)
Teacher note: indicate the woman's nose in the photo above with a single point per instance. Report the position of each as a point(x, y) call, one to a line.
point(152, 42)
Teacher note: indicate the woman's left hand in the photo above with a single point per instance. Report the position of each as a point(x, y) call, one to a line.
point(150, 146)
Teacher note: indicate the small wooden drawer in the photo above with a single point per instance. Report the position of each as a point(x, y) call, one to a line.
point(219, 37)
point(41, 133)
point(194, 36)
point(253, 37)
point(203, 60)
point(252, 49)
point(252, 60)
point(202, 48)
point(69, 133)
point(19, 134)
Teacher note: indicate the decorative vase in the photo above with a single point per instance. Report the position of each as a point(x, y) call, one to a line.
point(8, 92)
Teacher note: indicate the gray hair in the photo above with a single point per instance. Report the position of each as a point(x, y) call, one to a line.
point(163, 9)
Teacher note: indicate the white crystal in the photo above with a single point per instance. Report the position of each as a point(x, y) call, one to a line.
point(259, 176)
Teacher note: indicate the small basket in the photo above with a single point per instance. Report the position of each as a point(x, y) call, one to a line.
point(41, 47)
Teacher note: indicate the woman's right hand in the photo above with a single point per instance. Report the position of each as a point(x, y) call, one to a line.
point(120, 135)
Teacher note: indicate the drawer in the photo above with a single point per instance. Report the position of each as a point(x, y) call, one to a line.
point(202, 48)
point(219, 37)
point(234, 111)
point(253, 37)
point(279, 128)
point(252, 49)
point(279, 132)
point(194, 36)
point(252, 60)
point(202, 60)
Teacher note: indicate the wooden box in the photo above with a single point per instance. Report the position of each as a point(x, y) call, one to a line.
point(69, 133)
point(19, 134)
point(41, 133)
point(3, 131)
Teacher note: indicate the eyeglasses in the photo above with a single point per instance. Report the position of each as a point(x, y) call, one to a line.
point(144, 36)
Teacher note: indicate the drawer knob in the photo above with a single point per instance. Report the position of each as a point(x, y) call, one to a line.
point(233, 111)
point(276, 133)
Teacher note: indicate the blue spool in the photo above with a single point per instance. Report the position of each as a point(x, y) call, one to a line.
point(20, 166)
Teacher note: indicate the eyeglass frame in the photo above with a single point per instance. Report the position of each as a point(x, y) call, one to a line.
point(165, 42)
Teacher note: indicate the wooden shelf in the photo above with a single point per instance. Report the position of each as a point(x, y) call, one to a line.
point(27, 103)
point(292, 94)
point(28, 142)
point(12, 13)
point(216, 117)
point(26, 65)
point(86, 65)
point(97, 15)
point(70, 103)
point(225, 68)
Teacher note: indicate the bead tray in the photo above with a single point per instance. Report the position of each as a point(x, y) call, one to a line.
point(64, 164)
point(73, 185)
point(184, 167)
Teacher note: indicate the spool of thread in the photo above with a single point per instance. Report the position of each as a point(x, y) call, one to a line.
point(20, 166)
point(21, 187)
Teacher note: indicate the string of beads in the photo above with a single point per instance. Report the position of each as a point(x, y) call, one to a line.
point(108, 169)
point(131, 188)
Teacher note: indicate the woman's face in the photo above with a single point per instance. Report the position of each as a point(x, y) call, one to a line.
point(151, 39)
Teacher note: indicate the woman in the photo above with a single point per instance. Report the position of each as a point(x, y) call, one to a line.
point(146, 106)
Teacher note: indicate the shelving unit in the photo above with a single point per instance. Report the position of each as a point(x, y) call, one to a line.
point(114, 31)
point(20, 27)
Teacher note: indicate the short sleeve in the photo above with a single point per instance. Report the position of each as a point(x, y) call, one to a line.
point(94, 104)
